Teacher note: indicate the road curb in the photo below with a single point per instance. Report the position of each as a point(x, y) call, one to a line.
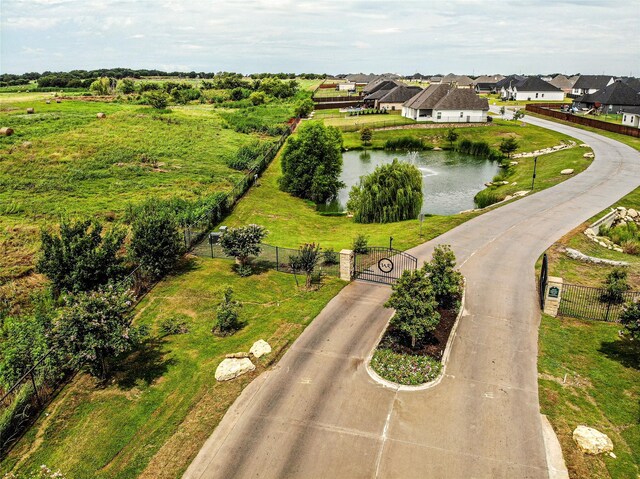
point(555, 460)
point(445, 356)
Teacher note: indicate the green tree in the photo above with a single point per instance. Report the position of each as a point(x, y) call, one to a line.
point(227, 314)
point(312, 162)
point(615, 285)
point(451, 136)
point(101, 86)
point(518, 114)
point(306, 261)
point(94, 328)
point(80, 257)
point(630, 320)
point(392, 192)
point(508, 146)
point(304, 108)
point(366, 135)
point(126, 86)
point(502, 110)
point(243, 242)
point(415, 304)
point(156, 242)
point(239, 93)
point(360, 244)
point(446, 280)
point(258, 98)
point(157, 99)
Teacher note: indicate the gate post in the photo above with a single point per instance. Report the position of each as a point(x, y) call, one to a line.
point(346, 265)
point(553, 295)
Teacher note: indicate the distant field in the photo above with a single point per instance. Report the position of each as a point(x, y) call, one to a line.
point(63, 161)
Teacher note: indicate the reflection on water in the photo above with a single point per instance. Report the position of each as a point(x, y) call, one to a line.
point(450, 180)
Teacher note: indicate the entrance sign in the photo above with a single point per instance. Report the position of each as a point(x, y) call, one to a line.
point(385, 265)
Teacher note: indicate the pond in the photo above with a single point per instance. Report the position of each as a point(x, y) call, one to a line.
point(450, 180)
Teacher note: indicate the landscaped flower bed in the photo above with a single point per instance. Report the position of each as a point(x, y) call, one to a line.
point(405, 368)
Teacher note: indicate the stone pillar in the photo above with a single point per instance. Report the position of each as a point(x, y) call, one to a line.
point(552, 295)
point(346, 264)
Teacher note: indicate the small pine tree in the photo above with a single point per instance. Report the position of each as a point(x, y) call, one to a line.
point(615, 285)
point(508, 146)
point(630, 319)
point(446, 281)
point(360, 244)
point(366, 135)
point(227, 314)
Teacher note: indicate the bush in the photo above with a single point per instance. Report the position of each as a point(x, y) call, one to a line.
point(80, 258)
point(157, 99)
point(330, 257)
point(615, 286)
point(227, 314)
point(404, 368)
point(408, 143)
point(247, 155)
point(630, 319)
point(488, 197)
point(174, 325)
point(447, 283)
point(392, 192)
point(631, 247)
point(360, 244)
point(304, 108)
point(257, 98)
point(312, 162)
point(413, 298)
point(156, 242)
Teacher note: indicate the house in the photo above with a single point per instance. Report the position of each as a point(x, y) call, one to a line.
point(435, 80)
point(361, 79)
point(613, 98)
point(631, 116)
point(531, 89)
point(459, 81)
point(588, 84)
point(562, 82)
point(348, 86)
point(633, 83)
point(506, 81)
point(394, 98)
point(446, 103)
point(486, 83)
point(380, 83)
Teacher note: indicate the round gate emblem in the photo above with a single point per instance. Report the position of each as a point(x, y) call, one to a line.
point(385, 265)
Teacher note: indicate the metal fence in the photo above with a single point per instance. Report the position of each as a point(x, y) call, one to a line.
point(586, 302)
point(276, 258)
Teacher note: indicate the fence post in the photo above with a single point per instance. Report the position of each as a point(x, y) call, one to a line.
point(553, 295)
point(347, 259)
point(277, 260)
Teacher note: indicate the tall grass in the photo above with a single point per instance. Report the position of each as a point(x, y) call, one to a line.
point(406, 143)
point(478, 148)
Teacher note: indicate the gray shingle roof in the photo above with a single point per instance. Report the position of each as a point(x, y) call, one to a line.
point(618, 93)
point(534, 84)
point(562, 82)
point(447, 97)
point(400, 94)
point(590, 82)
point(428, 97)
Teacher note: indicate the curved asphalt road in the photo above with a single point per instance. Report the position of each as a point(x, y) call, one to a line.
point(318, 414)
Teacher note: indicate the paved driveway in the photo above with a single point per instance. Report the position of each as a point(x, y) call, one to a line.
point(318, 414)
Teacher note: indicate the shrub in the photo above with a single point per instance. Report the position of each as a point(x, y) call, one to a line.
point(451, 136)
point(243, 242)
point(330, 257)
point(404, 368)
point(80, 258)
point(312, 162)
point(227, 314)
point(445, 280)
point(508, 146)
point(174, 325)
point(157, 99)
point(414, 300)
point(631, 247)
point(304, 108)
point(247, 155)
point(404, 143)
point(392, 192)
point(630, 319)
point(615, 286)
point(257, 98)
point(488, 197)
point(360, 244)
point(156, 242)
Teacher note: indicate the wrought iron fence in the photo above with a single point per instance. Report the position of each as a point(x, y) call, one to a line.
point(586, 302)
point(277, 258)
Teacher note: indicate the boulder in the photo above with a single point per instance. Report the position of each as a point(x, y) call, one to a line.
point(633, 213)
point(592, 441)
point(260, 348)
point(232, 368)
point(101, 115)
point(437, 149)
point(588, 155)
point(30, 111)
point(584, 145)
point(568, 171)
point(513, 163)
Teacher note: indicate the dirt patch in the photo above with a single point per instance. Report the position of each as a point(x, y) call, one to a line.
point(433, 345)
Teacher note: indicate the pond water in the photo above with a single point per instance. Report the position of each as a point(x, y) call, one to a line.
point(450, 180)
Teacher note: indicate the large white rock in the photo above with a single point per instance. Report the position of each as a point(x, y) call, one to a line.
point(591, 440)
point(633, 213)
point(232, 368)
point(568, 171)
point(260, 348)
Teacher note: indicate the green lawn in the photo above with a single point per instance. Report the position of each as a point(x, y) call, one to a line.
point(590, 376)
point(153, 417)
point(494, 99)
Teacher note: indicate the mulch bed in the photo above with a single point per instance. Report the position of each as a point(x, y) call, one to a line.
point(433, 345)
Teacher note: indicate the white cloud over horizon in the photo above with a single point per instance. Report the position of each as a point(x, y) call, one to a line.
point(435, 36)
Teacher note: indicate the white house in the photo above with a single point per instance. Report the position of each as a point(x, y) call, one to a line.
point(631, 116)
point(446, 104)
point(588, 84)
point(531, 89)
point(349, 86)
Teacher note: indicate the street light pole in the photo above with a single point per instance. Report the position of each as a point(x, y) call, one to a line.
point(390, 242)
point(535, 165)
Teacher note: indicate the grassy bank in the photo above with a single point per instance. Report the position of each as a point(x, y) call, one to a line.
point(590, 376)
point(153, 417)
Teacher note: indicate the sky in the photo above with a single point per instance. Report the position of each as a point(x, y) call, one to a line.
point(323, 36)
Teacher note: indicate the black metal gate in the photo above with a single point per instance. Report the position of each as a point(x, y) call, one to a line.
point(382, 265)
point(544, 275)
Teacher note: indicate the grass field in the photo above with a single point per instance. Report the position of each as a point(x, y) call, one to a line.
point(589, 376)
point(63, 161)
point(153, 417)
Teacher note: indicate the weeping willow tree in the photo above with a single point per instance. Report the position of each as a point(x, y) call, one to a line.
point(392, 192)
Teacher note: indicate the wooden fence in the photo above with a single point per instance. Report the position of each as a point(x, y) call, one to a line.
point(547, 110)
